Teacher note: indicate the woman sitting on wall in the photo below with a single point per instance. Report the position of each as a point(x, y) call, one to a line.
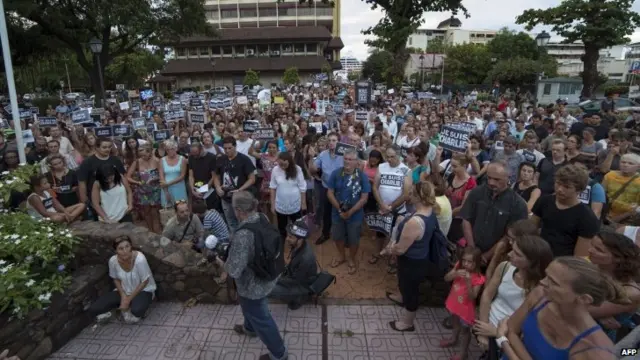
point(134, 282)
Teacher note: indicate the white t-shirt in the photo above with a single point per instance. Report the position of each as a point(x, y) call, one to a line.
point(392, 182)
point(243, 148)
point(406, 143)
point(289, 192)
point(114, 202)
point(138, 274)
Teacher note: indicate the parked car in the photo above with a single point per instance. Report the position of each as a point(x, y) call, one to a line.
point(622, 104)
point(74, 96)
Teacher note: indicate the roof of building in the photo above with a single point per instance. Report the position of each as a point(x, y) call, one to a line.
point(186, 66)
point(281, 33)
point(159, 78)
point(335, 43)
point(450, 22)
point(561, 79)
point(430, 60)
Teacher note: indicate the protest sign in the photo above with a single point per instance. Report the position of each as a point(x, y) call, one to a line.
point(96, 118)
point(123, 130)
point(585, 195)
point(175, 106)
point(338, 108)
point(103, 131)
point(97, 111)
point(80, 117)
point(27, 136)
point(136, 106)
point(174, 115)
point(250, 125)
point(379, 223)
point(278, 100)
point(466, 126)
point(151, 127)
point(25, 113)
point(318, 126)
point(362, 115)
point(242, 100)
point(124, 105)
point(321, 106)
point(363, 93)
point(196, 117)
point(238, 89)
point(265, 133)
point(195, 102)
point(35, 110)
point(156, 102)
point(341, 148)
point(138, 123)
point(47, 121)
point(387, 102)
point(161, 135)
point(227, 102)
point(454, 139)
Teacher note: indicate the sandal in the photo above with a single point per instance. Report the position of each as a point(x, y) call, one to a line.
point(388, 294)
point(392, 270)
point(353, 268)
point(335, 262)
point(374, 259)
point(396, 328)
point(447, 343)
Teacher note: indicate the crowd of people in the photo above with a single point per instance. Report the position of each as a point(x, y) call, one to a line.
point(540, 205)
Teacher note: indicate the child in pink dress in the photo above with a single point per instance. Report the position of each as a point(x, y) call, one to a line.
point(461, 302)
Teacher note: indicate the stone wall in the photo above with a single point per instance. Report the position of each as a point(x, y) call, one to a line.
point(174, 268)
point(42, 331)
point(174, 265)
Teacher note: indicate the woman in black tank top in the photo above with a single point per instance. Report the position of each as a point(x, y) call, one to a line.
point(525, 186)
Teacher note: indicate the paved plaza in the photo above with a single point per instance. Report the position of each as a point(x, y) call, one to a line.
point(204, 332)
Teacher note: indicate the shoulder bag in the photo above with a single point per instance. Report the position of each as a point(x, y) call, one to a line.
point(607, 206)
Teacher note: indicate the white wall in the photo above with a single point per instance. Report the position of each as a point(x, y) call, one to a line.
point(554, 93)
point(202, 80)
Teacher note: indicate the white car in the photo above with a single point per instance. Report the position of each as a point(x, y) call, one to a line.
point(72, 96)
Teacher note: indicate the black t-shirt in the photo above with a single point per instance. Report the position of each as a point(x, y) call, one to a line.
point(66, 195)
point(34, 157)
point(602, 130)
point(547, 174)
point(234, 173)
point(202, 167)
point(88, 168)
point(540, 131)
point(561, 228)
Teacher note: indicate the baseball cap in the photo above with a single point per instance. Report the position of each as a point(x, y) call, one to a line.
point(298, 229)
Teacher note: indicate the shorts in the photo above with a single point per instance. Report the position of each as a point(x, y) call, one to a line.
point(347, 232)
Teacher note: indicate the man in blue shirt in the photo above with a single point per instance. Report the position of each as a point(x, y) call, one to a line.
point(326, 163)
point(349, 189)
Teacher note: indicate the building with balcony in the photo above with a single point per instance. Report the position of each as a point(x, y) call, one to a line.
point(614, 61)
point(449, 32)
point(350, 64)
point(263, 35)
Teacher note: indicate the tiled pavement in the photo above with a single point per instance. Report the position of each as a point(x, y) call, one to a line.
point(204, 332)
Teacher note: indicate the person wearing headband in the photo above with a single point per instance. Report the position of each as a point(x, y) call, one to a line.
point(301, 271)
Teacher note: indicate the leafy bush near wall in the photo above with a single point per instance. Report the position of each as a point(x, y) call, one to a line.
point(16, 181)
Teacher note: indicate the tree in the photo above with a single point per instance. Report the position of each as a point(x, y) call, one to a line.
point(251, 78)
point(436, 46)
point(377, 65)
point(598, 24)
point(514, 71)
point(122, 26)
point(601, 79)
point(133, 69)
point(291, 76)
point(328, 71)
point(402, 18)
point(353, 76)
point(508, 44)
point(467, 63)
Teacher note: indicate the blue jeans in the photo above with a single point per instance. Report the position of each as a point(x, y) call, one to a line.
point(258, 320)
point(229, 215)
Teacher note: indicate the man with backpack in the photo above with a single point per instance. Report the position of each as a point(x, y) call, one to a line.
point(255, 262)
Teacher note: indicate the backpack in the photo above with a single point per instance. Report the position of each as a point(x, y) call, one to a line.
point(268, 258)
point(442, 252)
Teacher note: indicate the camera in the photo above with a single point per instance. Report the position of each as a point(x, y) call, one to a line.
point(217, 248)
point(345, 206)
point(227, 192)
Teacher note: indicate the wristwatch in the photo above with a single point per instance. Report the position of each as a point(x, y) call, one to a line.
point(501, 340)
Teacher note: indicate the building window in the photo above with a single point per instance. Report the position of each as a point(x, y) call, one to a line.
point(229, 14)
point(239, 51)
point(287, 49)
point(323, 11)
point(193, 52)
point(248, 13)
point(304, 11)
point(547, 89)
point(227, 50)
point(299, 48)
point(250, 51)
point(614, 74)
point(216, 51)
point(204, 51)
point(565, 89)
point(289, 12)
point(181, 52)
point(576, 88)
point(410, 41)
point(312, 48)
point(268, 12)
point(274, 50)
point(213, 15)
point(263, 50)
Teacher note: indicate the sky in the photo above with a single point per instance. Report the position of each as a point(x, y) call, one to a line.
point(484, 14)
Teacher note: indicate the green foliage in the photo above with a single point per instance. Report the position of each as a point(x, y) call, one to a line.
point(402, 18)
point(598, 24)
point(17, 180)
point(508, 44)
point(44, 102)
point(515, 71)
point(467, 63)
point(353, 76)
point(600, 80)
point(436, 46)
point(33, 259)
point(251, 78)
point(377, 65)
point(328, 71)
point(132, 69)
point(291, 76)
point(616, 89)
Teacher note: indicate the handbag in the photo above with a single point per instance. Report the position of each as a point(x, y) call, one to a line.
point(607, 206)
point(323, 280)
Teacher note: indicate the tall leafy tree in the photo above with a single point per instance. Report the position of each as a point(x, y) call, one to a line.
point(520, 70)
point(377, 65)
point(251, 78)
point(467, 63)
point(122, 26)
point(402, 18)
point(291, 76)
point(509, 44)
point(598, 24)
point(133, 69)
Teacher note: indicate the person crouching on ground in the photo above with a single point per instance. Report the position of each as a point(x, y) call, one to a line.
point(301, 272)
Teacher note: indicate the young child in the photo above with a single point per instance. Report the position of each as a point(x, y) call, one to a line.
point(461, 302)
point(41, 203)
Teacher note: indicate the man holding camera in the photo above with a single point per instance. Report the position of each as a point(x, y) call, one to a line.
point(234, 172)
point(253, 285)
point(348, 191)
point(294, 285)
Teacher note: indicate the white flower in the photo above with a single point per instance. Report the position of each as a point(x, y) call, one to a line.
point(22, 164)
point(2, 262)
point(9, 182)
point(44, 297)
point(14, 236)
point(28, 258)
point(16, 310)
point(17, 242)
point(5, 173)
point(69, 236)
point(50, 234)
point(46, 219)
point(10, 287)
point(30, 283)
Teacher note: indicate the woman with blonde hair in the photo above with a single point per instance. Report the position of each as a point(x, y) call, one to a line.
point(172, 171)
point(554, 320)
point(410, 243)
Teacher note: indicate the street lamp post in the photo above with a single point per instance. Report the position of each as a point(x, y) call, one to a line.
point(542, 40)
point(96, 48)
point(421, 71)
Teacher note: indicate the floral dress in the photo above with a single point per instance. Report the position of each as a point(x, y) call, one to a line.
point(268, 163)
point(148, 193)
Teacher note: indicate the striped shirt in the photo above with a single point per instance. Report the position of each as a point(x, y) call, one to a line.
point(214, 224)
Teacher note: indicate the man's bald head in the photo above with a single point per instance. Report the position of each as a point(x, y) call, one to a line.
point(498, 176)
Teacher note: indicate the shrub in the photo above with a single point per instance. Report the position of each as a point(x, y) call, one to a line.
point(34, 255)
point(16, 181)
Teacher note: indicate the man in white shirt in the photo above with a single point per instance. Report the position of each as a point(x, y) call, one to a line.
point(390, 124)
point(530, 153)
point(66, 148)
